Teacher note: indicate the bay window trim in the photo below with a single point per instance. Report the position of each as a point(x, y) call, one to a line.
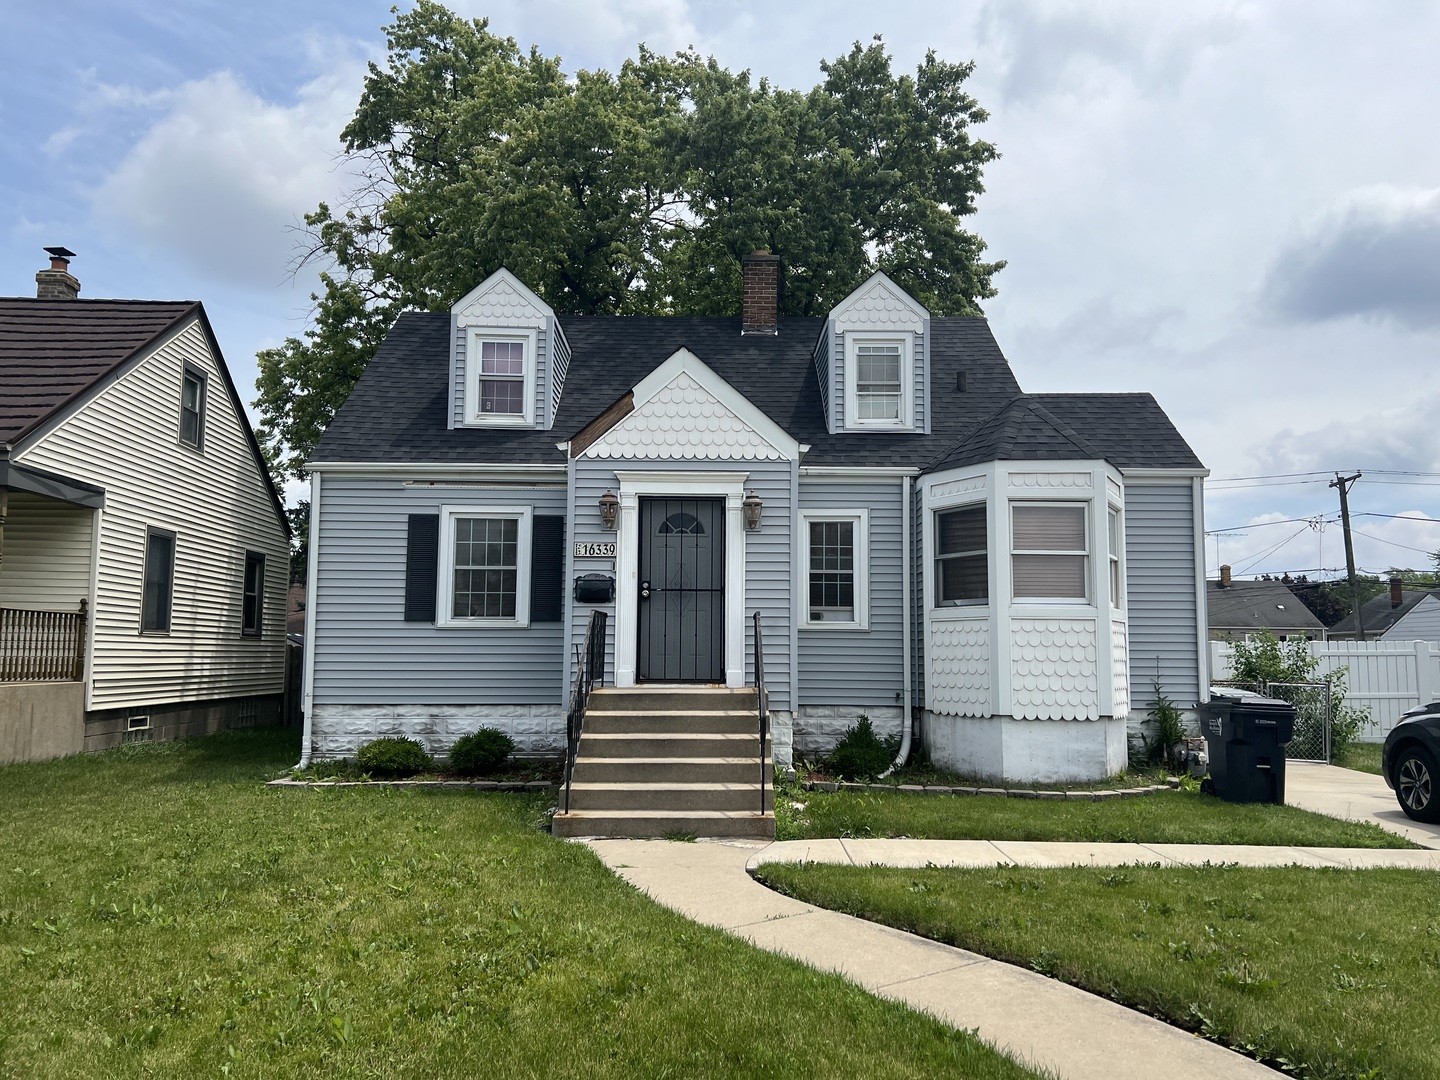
point(445, 591)
point(474, 337)
point(1115, 548)
point(1086, 555)
point(906, 340)
point(860, 519)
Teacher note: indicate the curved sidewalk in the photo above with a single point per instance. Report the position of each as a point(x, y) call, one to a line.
point(1044, 1023)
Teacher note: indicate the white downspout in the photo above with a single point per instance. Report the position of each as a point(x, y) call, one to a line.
point(312, 557)
point(905, 721)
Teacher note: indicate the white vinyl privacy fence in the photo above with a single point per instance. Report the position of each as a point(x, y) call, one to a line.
point(1386, 677)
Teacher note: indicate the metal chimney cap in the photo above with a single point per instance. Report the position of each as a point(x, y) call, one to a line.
point(60, 252)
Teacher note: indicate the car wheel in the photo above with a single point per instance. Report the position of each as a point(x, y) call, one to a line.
point(1417, 785)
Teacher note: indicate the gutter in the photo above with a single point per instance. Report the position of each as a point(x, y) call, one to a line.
point(907, 723)
point(312, 591)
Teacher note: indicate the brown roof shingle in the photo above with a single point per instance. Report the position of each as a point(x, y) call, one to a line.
point(53, 350)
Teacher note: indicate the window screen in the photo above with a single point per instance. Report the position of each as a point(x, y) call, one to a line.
point(877, 381)
point(1049, 551)
point(254, 598)
point(962, 566)
point(502, 378)
point(159, 581)
point(832, 571)
point(486, 568)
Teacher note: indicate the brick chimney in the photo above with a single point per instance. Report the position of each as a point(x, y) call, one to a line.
point(760, 303)
point(1397, 593)
point(1225, 577)
point(57, 283)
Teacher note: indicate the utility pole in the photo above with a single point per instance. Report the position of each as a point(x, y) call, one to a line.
point(1343, 483)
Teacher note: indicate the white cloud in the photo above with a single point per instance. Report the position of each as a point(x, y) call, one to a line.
point(223, 176)
point(589, 34)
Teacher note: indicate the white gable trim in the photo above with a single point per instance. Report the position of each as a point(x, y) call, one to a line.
point(880, 305)
point(662, 422)
point(501, 299)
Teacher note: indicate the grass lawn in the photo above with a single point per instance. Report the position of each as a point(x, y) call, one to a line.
point(1335, 973)
point(163, 914)
point(1169, 817)
point(1363, 757)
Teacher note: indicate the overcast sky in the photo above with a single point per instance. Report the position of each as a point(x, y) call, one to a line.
point(1235, 206)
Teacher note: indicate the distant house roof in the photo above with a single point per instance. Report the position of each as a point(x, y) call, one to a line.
point(1247, 606)
point(52, 351)
point(1380, 614)
point(398, 410)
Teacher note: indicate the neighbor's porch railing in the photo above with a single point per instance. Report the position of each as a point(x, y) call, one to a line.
point(589, 673)
point(763, 705)
point(42, 646)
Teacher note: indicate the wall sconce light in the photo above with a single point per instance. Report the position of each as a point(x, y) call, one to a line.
point(752, 507)
point(609, 509)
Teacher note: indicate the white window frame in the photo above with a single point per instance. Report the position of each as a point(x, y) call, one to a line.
point(933, 600)
point(1115, 547)
point(1088, 553)
point(473, 416)
point(853, 340)
point(860, 519)
point(445, 593)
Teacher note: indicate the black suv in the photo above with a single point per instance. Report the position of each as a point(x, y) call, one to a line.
point(1409, 762)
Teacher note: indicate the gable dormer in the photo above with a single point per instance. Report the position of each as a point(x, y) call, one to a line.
point(508, 357)
point(874, 361)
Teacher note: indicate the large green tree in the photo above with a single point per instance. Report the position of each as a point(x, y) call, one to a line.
point(627, 193)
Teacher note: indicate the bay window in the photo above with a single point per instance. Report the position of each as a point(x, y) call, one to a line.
point(962, 563)
point(1049, 554)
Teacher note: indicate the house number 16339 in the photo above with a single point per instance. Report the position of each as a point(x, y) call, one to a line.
point(595, 551)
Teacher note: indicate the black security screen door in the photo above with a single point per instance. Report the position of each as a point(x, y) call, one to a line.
point(682, 590)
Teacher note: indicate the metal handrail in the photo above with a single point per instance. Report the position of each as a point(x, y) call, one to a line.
point(589, 673)
point(762, 705)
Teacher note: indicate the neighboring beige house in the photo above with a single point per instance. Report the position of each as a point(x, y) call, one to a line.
point(144, 552)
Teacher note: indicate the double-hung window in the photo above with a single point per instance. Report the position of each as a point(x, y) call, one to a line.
point(837, 568)
point(159, 581)
point(962, 563)
point(1117, 537)
point(877, 381)
point(485, 566)
point(500, 387)
point(1049, 555)
point(253, 595)
point(192, 407)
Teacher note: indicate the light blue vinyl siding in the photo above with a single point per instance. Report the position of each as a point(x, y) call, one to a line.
point(767, 559)
point(831, 369)
point(1160, 583)
point(859, 667)
point(546, 395)
point(365, 651)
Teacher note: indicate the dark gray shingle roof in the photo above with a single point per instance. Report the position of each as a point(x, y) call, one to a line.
point(1380, 614)
point(1256, 605)
point(397, 411)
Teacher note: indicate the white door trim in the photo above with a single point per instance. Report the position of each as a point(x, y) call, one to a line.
point(679, 485)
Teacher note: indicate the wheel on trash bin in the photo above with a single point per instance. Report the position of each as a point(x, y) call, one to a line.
point(1417, 784)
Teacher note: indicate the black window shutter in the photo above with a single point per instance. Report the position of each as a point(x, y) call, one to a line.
point(547, 570)
point(422, 566)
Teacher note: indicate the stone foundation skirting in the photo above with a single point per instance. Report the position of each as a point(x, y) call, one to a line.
point(819, 727)
point(338, 731)
point(105, 728)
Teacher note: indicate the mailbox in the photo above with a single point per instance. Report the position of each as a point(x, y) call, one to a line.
point(594, 589)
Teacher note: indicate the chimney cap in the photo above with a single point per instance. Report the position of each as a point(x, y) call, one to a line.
point(60, 252)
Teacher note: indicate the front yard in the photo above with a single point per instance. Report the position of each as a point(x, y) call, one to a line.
point(1325, 974)
point(162, 914)
point(1169, 817)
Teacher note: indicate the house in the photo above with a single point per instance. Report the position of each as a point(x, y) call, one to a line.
point(1240, 608)
point(923, 542)
point(1399, 614)
point(143, 550)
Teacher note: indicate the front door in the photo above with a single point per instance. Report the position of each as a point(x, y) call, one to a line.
point(682, 591)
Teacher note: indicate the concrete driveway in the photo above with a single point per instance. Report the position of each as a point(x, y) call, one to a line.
point(1357, 796)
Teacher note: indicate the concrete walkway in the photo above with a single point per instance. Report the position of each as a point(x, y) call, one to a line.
point(1042, 1022)
point(1357, 796)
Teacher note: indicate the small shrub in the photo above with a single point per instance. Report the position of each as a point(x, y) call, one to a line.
point(393, 757)
point(480, 753)
point(1167, 746)
point(861, 754)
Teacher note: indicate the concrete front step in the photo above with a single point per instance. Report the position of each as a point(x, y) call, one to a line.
point(661, 823)
point(630, 721)
point(671, 699)
point(625, 744)
point(656, 770)
point(670, 796)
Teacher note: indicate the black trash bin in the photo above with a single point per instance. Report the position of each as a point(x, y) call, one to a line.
point(1246, 735)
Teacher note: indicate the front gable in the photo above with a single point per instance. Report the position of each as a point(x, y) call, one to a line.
point(683, 410)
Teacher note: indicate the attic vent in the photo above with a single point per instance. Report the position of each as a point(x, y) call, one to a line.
point(960, 382)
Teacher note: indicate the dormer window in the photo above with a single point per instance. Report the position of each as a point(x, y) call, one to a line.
point(878, 381)
point(500, 387)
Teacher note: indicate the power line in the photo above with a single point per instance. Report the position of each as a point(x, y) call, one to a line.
point(1267, 552)
point(1311, 521)
point(1394, 517)
point(1392, 543)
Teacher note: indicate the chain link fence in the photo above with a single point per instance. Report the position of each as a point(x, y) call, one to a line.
point(1314, 715)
